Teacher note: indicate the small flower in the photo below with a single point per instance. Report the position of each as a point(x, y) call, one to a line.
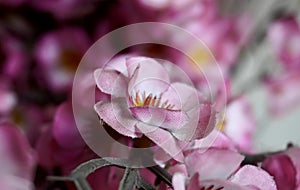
point(284, 38)
point(58, 54)
point(145, 101)
point(219, 169)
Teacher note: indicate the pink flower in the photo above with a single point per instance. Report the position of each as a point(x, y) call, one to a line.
point(285, 167)
point(220, 169)
point(239, 124)
point(145, 101)
point(283, 93)
point(17, 159)
point(284, 38)
point(58, 54)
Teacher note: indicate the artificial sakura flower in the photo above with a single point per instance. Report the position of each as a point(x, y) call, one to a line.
point(219, 169)
point(17, 159)
point(284, 39)
point(58, 54)
point(285, 167)
point(145, 101)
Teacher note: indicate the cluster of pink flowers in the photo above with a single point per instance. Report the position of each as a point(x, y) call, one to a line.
point(199, 132)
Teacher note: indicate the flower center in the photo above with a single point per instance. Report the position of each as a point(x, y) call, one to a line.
point(149, 100)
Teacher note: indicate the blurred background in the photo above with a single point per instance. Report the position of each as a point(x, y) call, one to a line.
point(256, 44)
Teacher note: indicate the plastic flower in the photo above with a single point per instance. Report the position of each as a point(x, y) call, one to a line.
point(17, 159)
point(145, 101)
point(220, 169)
point(285, 167)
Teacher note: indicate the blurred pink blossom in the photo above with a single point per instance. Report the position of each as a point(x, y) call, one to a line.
point(58, 54)
point(17, 159)
point(239, 124)
point(283, 92)
point(284, 38)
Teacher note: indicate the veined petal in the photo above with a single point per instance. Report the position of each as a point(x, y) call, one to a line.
point(281, 167)
point(117, 116)
point(111, 82)
point(214, 163)
point(201, 123)
point(182, 96)
point(164, 118)
point(163, 139)
point(254, 176)
point(146, 75)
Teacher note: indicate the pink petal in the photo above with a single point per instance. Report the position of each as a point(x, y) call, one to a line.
point(178, 181)
point(111, 82)
point(215, 139)
point(281, 167)
point(15, 183)
point(164, 118)
point(213, 163)
point(254, 176)
point(64, 127)
point(17, 157)
point(194, 183)
point(182, 96)
point(294, 154)
point(224, 185)
point(147, 75)
point(117, 116)
point(201, 123)
point(163, 139)
point(240, 124)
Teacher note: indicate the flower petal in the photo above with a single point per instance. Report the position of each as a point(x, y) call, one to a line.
point(281, 167)
point(146, 75)
point(201, 123)
point(214, 163)
point(164, 118)
point(178, 181)
point(111, 82)
point(64, 128)
point(294, 154)
point(115, 114)
point(254, 176)
point(163, 139)
point(17, 157)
